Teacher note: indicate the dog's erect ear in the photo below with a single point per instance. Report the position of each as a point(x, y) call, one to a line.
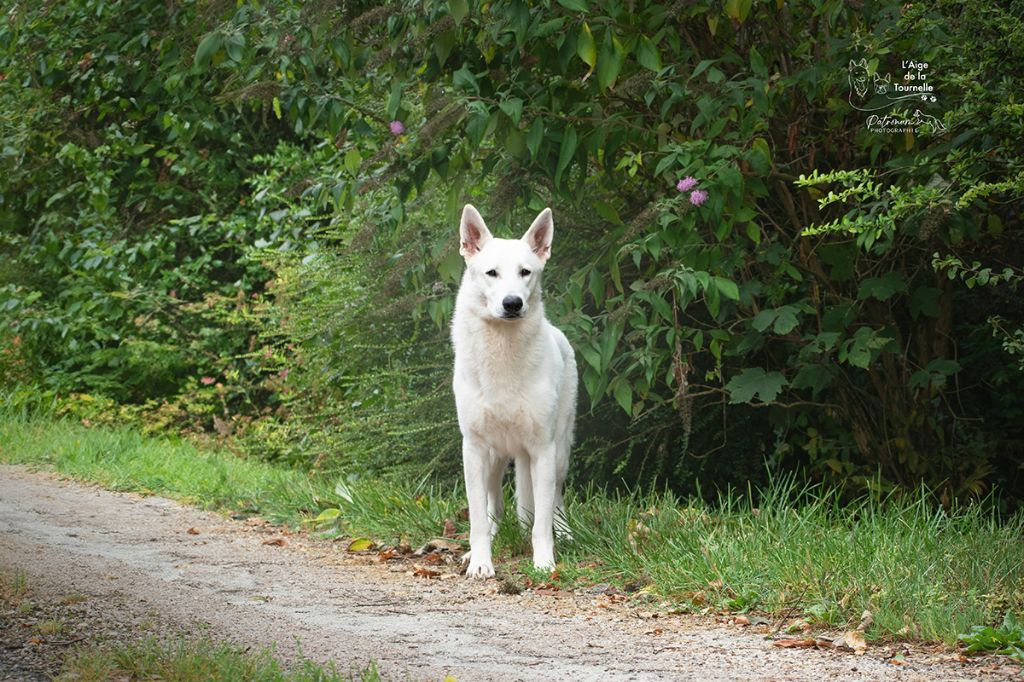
point(473, 232)
point(538, 237)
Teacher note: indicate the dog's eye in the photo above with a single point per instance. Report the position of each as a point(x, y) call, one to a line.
point(524, 273)
point(491, 273)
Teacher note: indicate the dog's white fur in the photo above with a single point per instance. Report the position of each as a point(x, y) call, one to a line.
point(515, 388)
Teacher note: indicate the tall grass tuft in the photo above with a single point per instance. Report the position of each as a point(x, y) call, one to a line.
point(922, 570)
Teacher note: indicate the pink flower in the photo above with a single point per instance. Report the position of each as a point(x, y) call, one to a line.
point(206, 381)
point(283, 374)
point(698, 197)
point(396, 127)
point(686, 184)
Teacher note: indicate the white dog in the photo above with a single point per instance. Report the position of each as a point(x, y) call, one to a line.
point(515, 387)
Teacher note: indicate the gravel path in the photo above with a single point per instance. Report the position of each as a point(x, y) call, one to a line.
point(129, 559)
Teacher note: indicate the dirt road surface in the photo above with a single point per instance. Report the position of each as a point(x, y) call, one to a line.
point(129, 558)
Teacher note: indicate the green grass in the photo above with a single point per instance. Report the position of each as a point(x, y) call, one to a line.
point(923, 571)
point(123, 459)
point(195, 661)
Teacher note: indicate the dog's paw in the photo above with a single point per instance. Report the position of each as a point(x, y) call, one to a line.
point(480, 570)
point(544, 563)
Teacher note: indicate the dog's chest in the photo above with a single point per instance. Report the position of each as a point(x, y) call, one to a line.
point(509, 414)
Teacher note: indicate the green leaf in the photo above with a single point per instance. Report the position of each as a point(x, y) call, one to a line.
point(586, 48)
point(754, 382)
point(353, 159)
point(728, 288)
point(596, 286)
point(624, 395)
point(610, 62)
point(592, 356)
point(566, 152)
point(784, 319)
point(458, 9)
point(609, 340)
point(444, 43)
point(327, 515)
point(519, 13)
point(882, 288)
point(647, 54)
point(924, 301)
point(360, 545)
point(757, 64)
point(277, 108)
point(207, 48)
point(450, 268)
point(535, 137)
point(235, 46)
point(738, 10)
point(814, 377)
point(394, 101)
point(863, 348)
point(513, 108)
point(705, 63)
point(608, 212)
point(574, 5)
point(464, 79)
point(594, 383)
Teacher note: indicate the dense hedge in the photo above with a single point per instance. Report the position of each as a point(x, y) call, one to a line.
point(236, 208)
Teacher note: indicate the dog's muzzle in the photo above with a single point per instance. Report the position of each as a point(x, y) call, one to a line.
point(512, 307)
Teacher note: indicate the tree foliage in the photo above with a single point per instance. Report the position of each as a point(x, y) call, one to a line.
point(747, 271)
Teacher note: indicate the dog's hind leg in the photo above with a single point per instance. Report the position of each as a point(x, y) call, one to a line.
point(524, 492)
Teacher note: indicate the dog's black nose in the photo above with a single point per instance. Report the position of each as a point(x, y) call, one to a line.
point(512, 304)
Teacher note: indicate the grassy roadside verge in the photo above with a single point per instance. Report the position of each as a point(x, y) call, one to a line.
point(36, 629)
point(923, 572)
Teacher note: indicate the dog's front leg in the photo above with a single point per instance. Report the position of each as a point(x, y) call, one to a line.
point(476, 464)
point(542, 471)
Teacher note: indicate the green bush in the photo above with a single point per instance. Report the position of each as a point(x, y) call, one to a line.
point(813, 295)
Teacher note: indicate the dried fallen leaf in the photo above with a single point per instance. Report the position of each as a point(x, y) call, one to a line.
point(438, 545)
point(386, 554)
point(449, 529)
point(798, 626)
point(433, 558)
point(193, 531)
point(276, 542)
point(865, 621)
point(807, 643)
point(423, 572)
point(854, 640)
point(360, 545)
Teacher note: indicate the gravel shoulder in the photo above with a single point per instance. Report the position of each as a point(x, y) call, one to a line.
point(121, 564)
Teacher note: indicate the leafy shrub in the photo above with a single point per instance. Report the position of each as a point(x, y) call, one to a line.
point(1007, 639)
point(748, 273)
